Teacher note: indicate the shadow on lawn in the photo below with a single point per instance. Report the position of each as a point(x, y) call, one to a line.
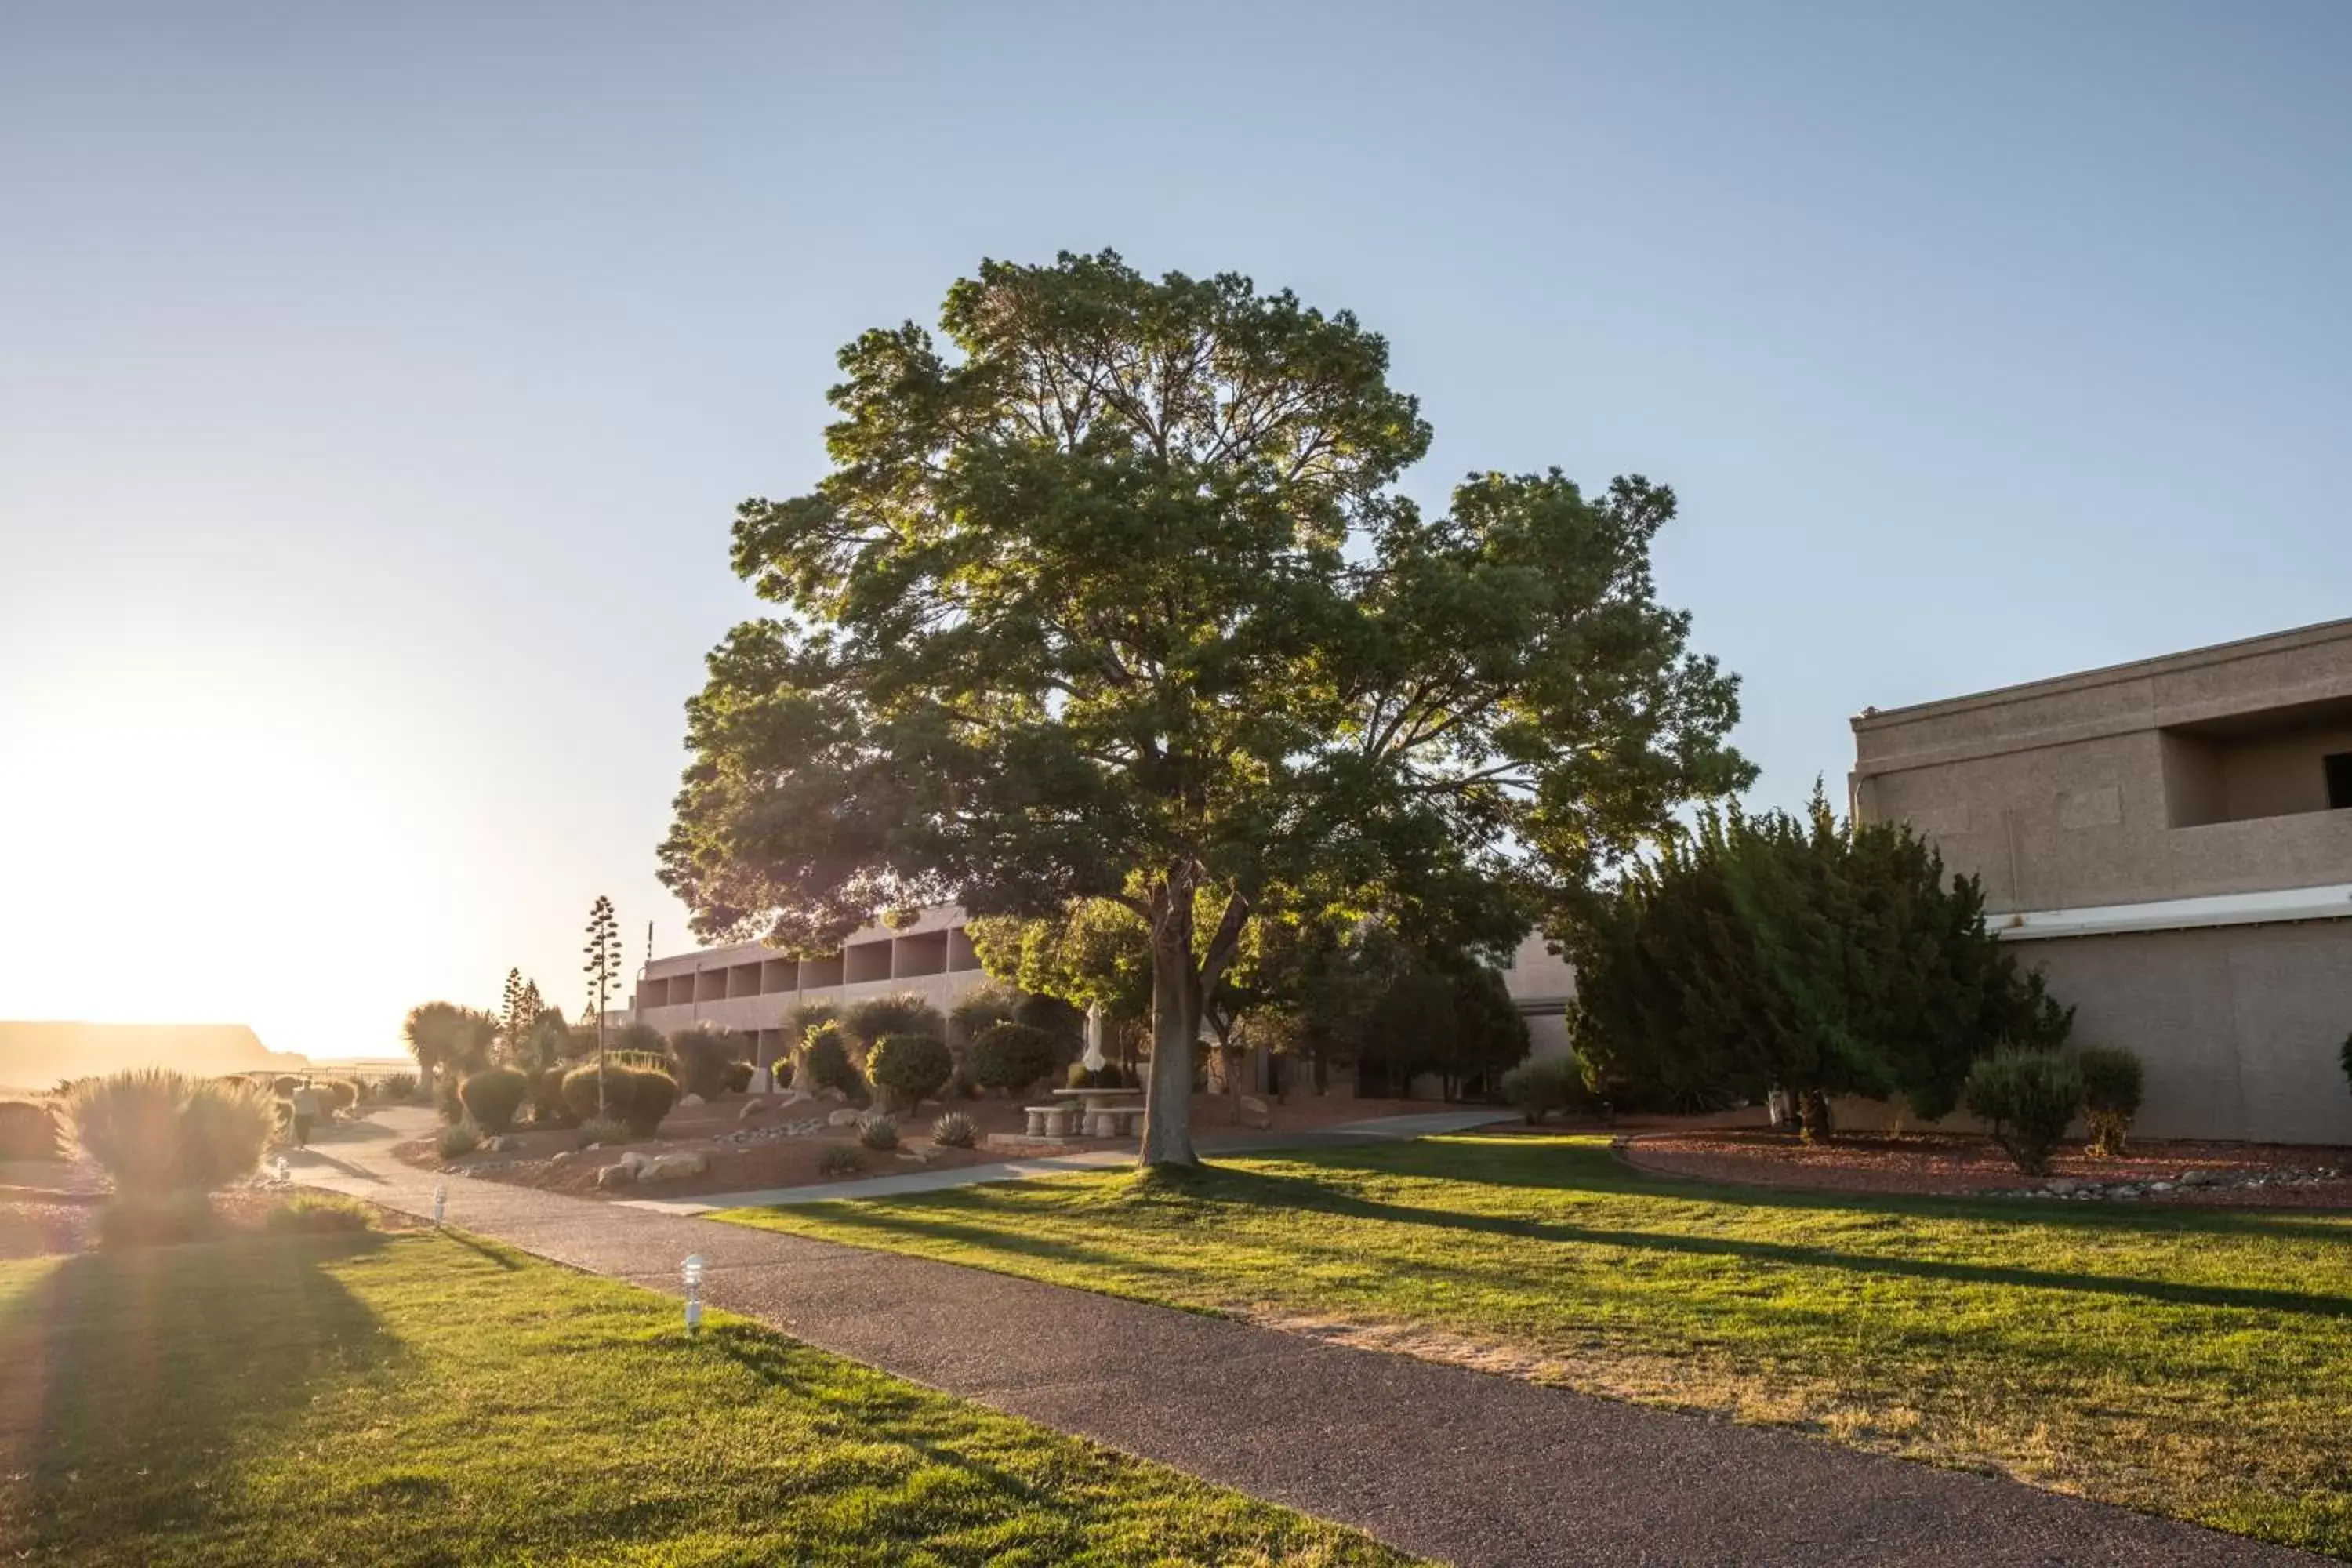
point(1259, 1189)
point(126, 1376)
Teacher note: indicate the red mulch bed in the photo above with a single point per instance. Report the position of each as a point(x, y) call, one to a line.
point(791, 1161)
point(1947, 1163)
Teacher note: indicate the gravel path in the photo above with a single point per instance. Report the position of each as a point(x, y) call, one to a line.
point(1452, 1464)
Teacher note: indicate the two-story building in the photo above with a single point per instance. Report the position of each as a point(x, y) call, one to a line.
point(2170, 842)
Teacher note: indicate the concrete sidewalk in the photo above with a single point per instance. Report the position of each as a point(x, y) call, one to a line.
point(1375, 1129)
point(1439, 1461)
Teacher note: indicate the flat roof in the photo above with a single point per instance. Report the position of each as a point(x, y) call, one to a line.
point(2107, 675)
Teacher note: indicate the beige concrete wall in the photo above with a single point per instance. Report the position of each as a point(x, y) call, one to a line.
point(2239, 1025)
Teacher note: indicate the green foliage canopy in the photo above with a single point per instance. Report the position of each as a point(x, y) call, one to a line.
point(1117, 601)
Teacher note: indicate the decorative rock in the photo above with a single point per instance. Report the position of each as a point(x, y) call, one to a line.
point(561, 1156)
point(2159, 1186)
point(845, 1117)
point(686, 1102)
point(832, 1094)
point(751, 1108)
point(617, 1176)
point(2063, 1186)
point(672, 1167)
point(2196, 1178)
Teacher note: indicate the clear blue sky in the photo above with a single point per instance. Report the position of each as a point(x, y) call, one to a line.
point(376, 383)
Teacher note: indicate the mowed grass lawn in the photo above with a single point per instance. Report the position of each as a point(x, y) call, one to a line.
point(425, 1399)
point(2196, 1363)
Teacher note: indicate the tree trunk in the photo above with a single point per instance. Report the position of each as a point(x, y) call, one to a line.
point(1813, 1113)
point(1167, 1094)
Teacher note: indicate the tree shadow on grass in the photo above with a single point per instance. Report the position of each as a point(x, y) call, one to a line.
point(129, 1379)
point(1271, 1191)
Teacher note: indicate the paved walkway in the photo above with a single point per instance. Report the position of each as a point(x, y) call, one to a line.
point(1439, 1461)
point(1377, 1129)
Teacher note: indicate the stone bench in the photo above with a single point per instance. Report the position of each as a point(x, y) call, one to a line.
point(1051, 1121)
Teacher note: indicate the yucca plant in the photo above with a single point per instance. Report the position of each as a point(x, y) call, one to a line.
point(839, 1160)
point(156, 1131)
point(878, 1130)
point(954, 1130)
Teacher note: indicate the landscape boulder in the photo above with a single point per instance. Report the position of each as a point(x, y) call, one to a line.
point(688, 1102)
point(620, 1175)
point(672, 1167)
point(845, 1117)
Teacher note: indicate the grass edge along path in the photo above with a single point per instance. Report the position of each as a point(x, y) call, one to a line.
point(2193, 1363)
point(432, 1398)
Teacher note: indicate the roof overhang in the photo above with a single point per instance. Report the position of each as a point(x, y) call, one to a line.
point(2331, 903)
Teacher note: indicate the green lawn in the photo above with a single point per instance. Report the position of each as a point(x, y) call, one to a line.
point(2193, 1363)
point(429, 1399)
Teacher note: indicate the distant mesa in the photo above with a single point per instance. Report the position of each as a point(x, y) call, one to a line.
point(34, 1055)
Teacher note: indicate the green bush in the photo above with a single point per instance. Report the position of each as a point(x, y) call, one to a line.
point(492, 1096)
point(285, 1086)
point(338, 1094)
point(458, 1139)
point(1545, 1088)
point(157, 1131)
point(878, 1130)
point(395, 1089)
point(547, 1108)
point(839, 1160)
point(315, 1212)
point(157, 1219)
point(979, 1011)
point(2113, 1081)
point(704, 1055)
point(28, 1131)
point(909, 1068)
point(739, 1077)
point(2028, 1097)
point(869, 1021)
point(954, 1130)
point(1080, 1076)
point(825, 1057)
point(1012, 1056)
point(603, 1130)
point(639, 1097)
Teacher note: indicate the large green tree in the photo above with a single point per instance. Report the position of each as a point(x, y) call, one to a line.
point(1799, 952)
point(1112, 595)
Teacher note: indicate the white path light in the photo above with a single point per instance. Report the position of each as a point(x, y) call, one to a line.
point(440, 1202)
point(690, 1272)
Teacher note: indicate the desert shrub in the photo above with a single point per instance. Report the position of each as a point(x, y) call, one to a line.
point(977, 1011)
point(1079, 1076)
point(703, 1055)
point(458, 1139)
point(316, 1212)
point(396, 1089)
point(839, 1160)
point(825, 1057)
point(866, 1023)
point(548, 1107)
point(954, 1130)
point(2113, 1081)
point(492, 1096)
point(2028, 1097)
point(603, 1130)
point(28, 1131)
point(1545, 1088)
point(909, 1068)
point(445, 1098)
point(157, 1131)
point(739, 1077)
point(338, 1094)
point(878, 1130)
point(157, 1219)
point(285, 1086)
point(639, 1097)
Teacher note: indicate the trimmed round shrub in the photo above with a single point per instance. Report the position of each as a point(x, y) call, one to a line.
point(28, 1131)
point(839, 1160)
point(285, 1086)
point(157, 1131)
point(703, 1056)
point(909, 1068)
point(2113, 1081)
point(637, 1097)
point(869, 1021)
point(651, 1096)
point(1541, 1088)
point(2028, 1097)
point(492, 1096)
point(739, 1077)
point(954, 1130)
point(1012, 1056)
point(878, 1130)
point(548, 1106)
point(825, 1056)
point(339, 1094)
point(458, 1139)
